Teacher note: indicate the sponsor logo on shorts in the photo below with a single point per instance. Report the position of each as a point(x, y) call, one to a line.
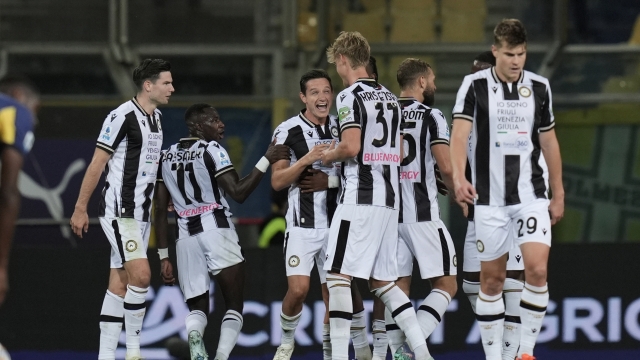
point(131, 245)
point(480, 246)
point(455, 260)
point(294, 261)
point(525, 92)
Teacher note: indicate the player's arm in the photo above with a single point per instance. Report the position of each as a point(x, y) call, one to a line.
point(463, 116)
point(443, 160)
point(283, 175)
point(551, 152)
point(348, 148)
point(161, 204)
point(80, 218)
point(9, 208)
point(439, 131)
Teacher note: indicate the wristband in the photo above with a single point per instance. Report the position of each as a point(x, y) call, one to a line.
point(263, 164)
point(334, 181)
point(163, 253)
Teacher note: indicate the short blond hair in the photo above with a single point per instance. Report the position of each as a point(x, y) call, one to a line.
point(352, 45)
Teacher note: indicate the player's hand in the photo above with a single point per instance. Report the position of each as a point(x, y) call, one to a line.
point(556, 210)
point(170, 207)
point(4, 284)
point(465, 209)
point(314, 154)
point(79, 222)
point(442, 188)
point(313, 180)
point(326, 154)
point(166, 272)
point(464, 192)
point(276, 153)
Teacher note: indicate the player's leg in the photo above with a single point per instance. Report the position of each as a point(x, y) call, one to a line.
point(380, 340)
point(512, 293)
point(471, 266)
point(404, 256)
point(493, 230)
point(359, 337)
point(326, 329)
point(382, 285)
point(535, 244)
point(394, 334)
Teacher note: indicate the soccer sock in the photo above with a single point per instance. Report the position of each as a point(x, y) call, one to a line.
point(134, 310)
point(380, 342)
point(395, 335)
point(490, 316)
point(512, 292)
point(359, 337)
point(533, 306)
point(229, 332)
point(405, 316)
point(111, 318)
point(289, 325)
point(340, 315)
point(431, 310)
point(196, 321)
point(471, 289)
point(326, 342)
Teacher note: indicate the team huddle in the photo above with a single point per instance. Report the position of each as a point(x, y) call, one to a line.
point(362, 202)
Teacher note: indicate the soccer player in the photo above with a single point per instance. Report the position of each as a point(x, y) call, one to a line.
point(516, 161)
point(309, 212)
point(364, 230)
point(513, 283)
point(422, 235)
point(195, 174)
point(128, 151)
point(19, 102)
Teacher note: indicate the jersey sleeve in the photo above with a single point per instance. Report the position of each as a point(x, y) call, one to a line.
point(113, 131)
point(439, 128)
point(548, 121)
point(465, 100)
point(348, 111)
point(280, 135)
point(16, 128)
point(217, 159)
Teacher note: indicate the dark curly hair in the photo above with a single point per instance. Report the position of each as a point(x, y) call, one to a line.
point(511, 31)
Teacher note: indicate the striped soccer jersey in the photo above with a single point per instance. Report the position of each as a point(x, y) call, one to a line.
point(134, 139)
point(371, 178)
point(189, 170)
point(423, 128)
point(507, 166)
point(309, 210)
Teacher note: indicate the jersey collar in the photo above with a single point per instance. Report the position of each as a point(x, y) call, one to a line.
point(497, 79)
point(137, 104)
point(309, 122)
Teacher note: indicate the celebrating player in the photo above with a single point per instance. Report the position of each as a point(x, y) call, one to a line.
point(128, 151)
point(364, 230)
point(516, 160)
point(196, 173)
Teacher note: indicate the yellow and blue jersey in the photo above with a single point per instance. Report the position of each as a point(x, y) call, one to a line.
point(16, 125)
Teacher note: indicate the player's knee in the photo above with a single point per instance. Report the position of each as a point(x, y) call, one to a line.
point(492, 285)
point(140, 278)
point(299, 293)
point(536, 274)
point(446, 283)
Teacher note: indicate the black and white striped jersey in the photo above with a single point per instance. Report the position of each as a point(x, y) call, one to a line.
point(134, 139)
point(371, 178)
point(309, 210)
point(423, 128)
point(189, 170)
point(507, 165)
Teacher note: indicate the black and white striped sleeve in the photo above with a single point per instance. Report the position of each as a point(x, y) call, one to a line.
point(438, 128)
point(465, 100)
point(217, 157)
point(547, 122)
point(114, 129)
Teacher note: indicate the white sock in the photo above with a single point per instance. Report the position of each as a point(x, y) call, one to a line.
point(359, 337)
point(134, 310)
point(380, 342)
point(340, 315)
point(431, 310)
point(471, 289)
point(405, 316)
point(229, 332)
point(326, 342)
point(395, 335)
point(196, 321)
point(490, 316)
point(111, 318)
point(512, 292)
point(289, 325)
point(533, 306)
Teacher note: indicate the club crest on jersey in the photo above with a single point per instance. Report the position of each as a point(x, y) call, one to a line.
point(343, 113)
point(334, 132)
point(480, 246)
point(294, 261)
point(131, 245)
point(524, 91)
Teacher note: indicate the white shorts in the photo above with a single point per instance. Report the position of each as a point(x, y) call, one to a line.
point(471, 262)
point(431, 245)
point(500, 228)
point(363, 242)
point(204, 253)
point(303, 248)
point(129, 239)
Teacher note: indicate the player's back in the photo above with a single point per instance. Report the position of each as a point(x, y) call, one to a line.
point(423, 128)
point(16, 125)
point(371, 178)
point(189, 170)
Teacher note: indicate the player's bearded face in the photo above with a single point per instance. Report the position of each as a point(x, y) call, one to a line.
point(429, 93)
point(318, 97)
point(510, 60)
point(162, 88)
